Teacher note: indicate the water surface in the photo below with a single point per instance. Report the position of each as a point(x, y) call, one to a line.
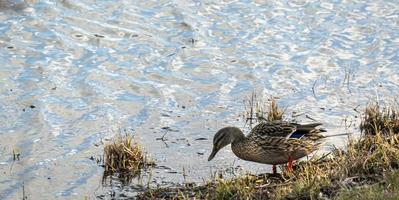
point(74, 73)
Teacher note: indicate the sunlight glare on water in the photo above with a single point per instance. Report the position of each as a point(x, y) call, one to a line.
point(73, 73)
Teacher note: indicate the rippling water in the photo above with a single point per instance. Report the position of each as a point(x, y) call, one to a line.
point(73, 73)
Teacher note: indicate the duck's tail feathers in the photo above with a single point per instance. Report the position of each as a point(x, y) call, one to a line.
point(307, 127)
point(336, 135)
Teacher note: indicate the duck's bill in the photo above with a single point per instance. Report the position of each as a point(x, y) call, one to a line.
point(214, 151)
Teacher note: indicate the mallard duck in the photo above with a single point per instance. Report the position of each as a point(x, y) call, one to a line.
point(274, 143)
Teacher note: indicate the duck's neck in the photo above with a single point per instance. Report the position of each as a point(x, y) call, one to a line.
point(240, 146)
point(237, 137)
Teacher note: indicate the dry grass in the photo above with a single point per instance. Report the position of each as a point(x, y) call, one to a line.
point(274, 112)
point(387, 189)
point(377, 119)
point(244, 187)
point(369, 165)
point(257, 111)
point(365, 161)
point(125, 157)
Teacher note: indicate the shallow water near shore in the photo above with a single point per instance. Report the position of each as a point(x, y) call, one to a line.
point(74, 73)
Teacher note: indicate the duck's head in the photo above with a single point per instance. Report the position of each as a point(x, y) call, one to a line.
point(224, 137)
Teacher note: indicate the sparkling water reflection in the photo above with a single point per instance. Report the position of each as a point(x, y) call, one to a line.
point(74, 72)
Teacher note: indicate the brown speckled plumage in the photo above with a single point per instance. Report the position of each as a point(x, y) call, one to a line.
point(270, 142)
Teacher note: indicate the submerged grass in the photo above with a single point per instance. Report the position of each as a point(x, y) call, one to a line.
point(124, 156)
point(367, 169)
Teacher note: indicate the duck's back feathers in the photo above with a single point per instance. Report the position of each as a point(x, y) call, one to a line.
point(273, 129)
point(283, 129)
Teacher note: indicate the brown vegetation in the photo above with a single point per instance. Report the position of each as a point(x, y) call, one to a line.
point(377, 119)
point(125, 157)
point(257, 111)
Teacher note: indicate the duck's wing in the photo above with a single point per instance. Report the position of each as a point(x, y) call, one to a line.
point(273, 129)
point(290, 145)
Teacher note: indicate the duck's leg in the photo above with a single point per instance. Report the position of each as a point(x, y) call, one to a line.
point(289, 167)
point(274, 169)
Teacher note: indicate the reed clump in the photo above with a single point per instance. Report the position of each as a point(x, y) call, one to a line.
point(378, 119)
point(124, 155)
point(256, 110)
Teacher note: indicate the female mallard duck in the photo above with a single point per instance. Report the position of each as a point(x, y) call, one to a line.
point(272, 143)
